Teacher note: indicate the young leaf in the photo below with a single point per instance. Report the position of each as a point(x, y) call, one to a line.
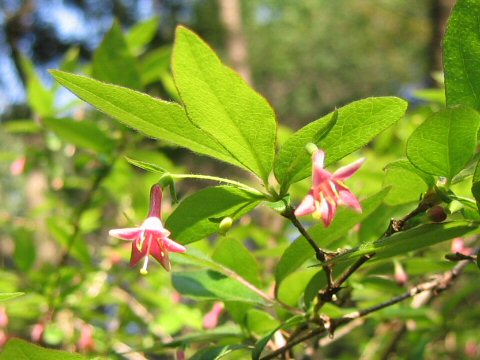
point(199, 215)
point(40, 98)
point(221, 103)
point(235, 256)
point(141, 34)
point(293, 156)
point(153, 117)
point(357, 124)
point(145, 165)
point(8, 296)
point(113, 62)
point(22, 350)
point(445, 142)
point(212, 285)
point(84, 134)
point(300, 251)
point(414, 239)
point(407, 182)
point(461, 59)
point(260, 345)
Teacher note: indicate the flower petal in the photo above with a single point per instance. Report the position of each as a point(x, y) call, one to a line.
point(126, 233)
point(307, 206)
point(347, 171)
point(328, 210)
point(174, 246)
point(136, 255)
point(161, 255)
point(349, 199)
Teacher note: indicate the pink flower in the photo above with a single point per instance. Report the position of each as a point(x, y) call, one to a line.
point(86, 342)
point(18, 166)
point(151, 238)
point(210, 321)
point(328, 190)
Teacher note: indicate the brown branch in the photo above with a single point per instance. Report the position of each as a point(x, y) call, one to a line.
point(439, 284)
point(320, 254)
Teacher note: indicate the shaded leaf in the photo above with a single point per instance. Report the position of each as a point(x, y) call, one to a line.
point(212, 285)
point(22, 350)
point(113, 62)
point(414, 239)
point(234, 255)
point(84, 134)
point(141, 34)
point(8, 296)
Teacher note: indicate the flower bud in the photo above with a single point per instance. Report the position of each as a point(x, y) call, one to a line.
point(311, 148)
point(225, 225)
point(436, 214)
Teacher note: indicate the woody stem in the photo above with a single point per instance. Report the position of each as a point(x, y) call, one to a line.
point(319, 253)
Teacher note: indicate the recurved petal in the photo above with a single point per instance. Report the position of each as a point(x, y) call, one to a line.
point(307, 206)
point(349, 199)
point(347, 171)
point(174, 246)
point(126, 233)
point(327, 210)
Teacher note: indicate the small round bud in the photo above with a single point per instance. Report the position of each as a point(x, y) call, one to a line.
point(225, 225)
point(436, 214)
point(311, 148)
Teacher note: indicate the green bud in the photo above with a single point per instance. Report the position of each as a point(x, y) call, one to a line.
point(311, 148)
point(225, 225)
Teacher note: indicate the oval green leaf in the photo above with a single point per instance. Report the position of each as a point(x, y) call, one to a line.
point(445, 142)
point(199, 215)
point(221, 103)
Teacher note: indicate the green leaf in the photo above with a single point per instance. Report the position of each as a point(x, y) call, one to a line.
point(234, 255)
point(221, 103)
point(414, 239)
point(62, 232)
point(300, 251)
point(476, 185)
point(84, 134)
point(22, 350)
point(40, 98)
point(461, 49)
point(260, 345)
point(21, 127)
point(357, 124)
point(407, 182)
point(145, 165)
point(445, 142)
point(113, 62)
point(212, 285)
point(293, 155)
point(260, 322)
point(155, 63)
point(25, 249)
point(199, 215)
point(141, 34)
point(217, 352)
point(153, 117)
point(8, 296)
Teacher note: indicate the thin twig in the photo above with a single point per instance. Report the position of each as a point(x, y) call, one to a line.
point(352, 269)
point(438, 285)
point(320, 254)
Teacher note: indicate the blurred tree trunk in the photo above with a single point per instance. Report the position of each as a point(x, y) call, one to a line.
point(440, 10)
point(231, 18)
